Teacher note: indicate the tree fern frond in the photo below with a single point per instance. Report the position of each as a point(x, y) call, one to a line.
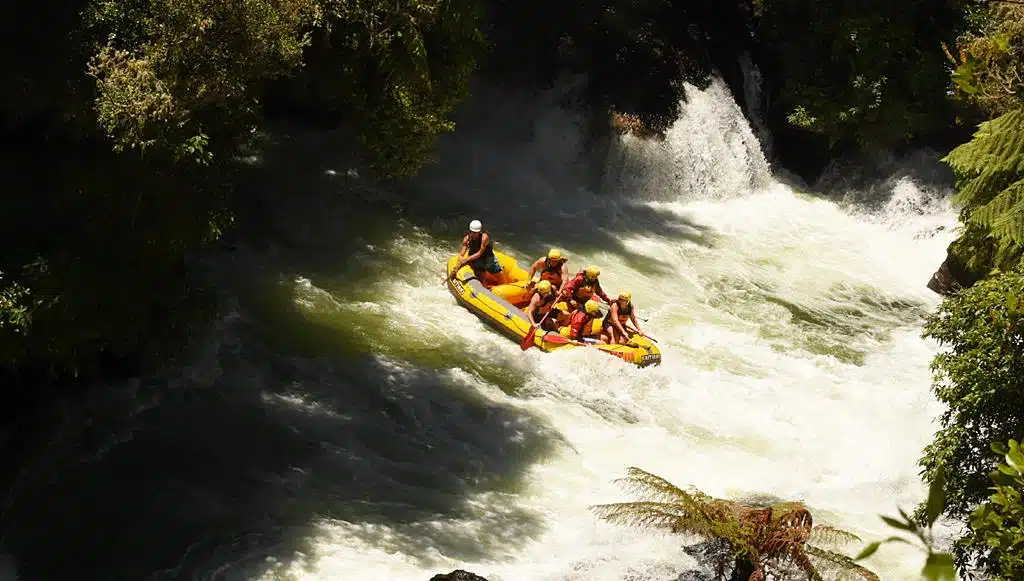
point(654, 487)
point(990, 162)
point(841, 564)
point(1009, 224)
point(997, 146)
point(654, 515)
point(832, 535)
point(992, 211)
point(772, 539)
point(980, 189)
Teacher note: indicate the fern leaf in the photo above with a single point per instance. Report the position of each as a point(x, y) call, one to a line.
point(997, 146)
point(832, 535)
point(1009, 224)
point(841, 564)
point(991, 160)
point(654, 487)
point(652, 514)
point(980, 189)
point(988, 214)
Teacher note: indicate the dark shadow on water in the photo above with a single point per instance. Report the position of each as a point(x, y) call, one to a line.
point(235, 459)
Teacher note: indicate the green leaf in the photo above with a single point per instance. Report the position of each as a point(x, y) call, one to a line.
point(939, 567)
point(873, 547)
point(1016, 459)
point(1007, 470)
point(999, 448)
point(936, 497)
point(897, 524)
point(1011, 304)
point(1002, 479)
point(868, 551)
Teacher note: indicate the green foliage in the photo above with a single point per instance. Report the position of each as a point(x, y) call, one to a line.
point(979, 376)
point(871, 73)
point(768, 541)
point(393, 72)
point(165, 69)
point(990, 183)
point(990, 67)
point(126, 115)
point(424, 69)
point(938, 565)
point(995, 539)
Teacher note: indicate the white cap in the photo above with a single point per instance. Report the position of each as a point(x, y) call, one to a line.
point(475, 226)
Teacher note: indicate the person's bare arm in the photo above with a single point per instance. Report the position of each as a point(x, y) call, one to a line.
point(632, 317)
point(536, 267)
point(534, 301)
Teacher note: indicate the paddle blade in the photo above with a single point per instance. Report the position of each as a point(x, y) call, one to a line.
point(555, 339)
point(528, 339)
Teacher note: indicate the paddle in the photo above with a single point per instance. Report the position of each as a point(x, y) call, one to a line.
point(607, 307)
point(455, 271)
point(628, 328)
point(528, 339)
point(554, 338)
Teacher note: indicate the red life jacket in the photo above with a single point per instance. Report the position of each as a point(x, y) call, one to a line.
point(578, 324)
point(552, 274)
point(582, 290)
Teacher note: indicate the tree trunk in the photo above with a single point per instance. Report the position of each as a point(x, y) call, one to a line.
point(742, 569)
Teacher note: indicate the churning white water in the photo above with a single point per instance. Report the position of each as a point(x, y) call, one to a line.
point(789, 324)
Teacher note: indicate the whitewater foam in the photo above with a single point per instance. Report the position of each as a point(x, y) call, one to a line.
point(790, 329)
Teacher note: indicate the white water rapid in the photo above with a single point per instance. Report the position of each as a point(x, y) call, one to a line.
point(344, 420)
point(789, 324)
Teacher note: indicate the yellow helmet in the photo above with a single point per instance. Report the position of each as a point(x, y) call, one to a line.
point(592, 272)
point(544, 287)
point(592, 307)
point(554, 254)
point(626, 295)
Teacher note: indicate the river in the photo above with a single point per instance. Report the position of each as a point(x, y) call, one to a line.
point(343, 419)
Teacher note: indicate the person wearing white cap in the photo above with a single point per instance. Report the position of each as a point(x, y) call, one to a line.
point(478, 251)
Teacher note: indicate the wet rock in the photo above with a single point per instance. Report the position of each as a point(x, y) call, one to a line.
point(942, 281)
point(951, 277)
point(457, 575)
point(624, 123)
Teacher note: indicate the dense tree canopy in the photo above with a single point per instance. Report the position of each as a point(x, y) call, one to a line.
point(871, 73)
point(126, 113)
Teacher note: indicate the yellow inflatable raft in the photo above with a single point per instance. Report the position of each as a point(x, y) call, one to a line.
point(500, 304)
